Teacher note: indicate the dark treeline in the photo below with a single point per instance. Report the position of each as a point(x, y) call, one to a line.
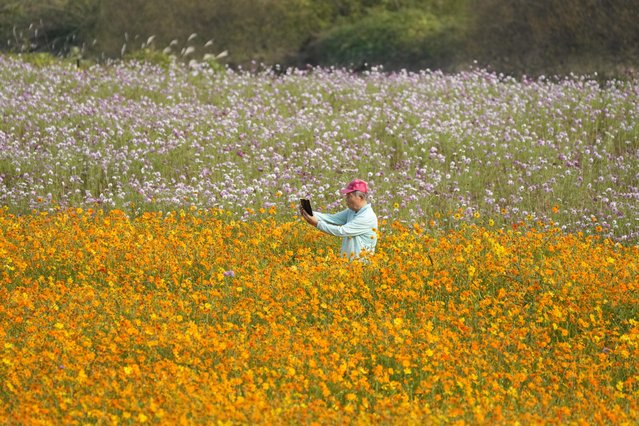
point(512, 36)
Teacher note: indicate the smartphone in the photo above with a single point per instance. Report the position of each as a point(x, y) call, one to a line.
point(306, 205)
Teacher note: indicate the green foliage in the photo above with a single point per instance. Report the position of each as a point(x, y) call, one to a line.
point(39, 59)
point(544, 36)
point(522, 36)
point(393, 39)
point(214, 64)
point(47, 25)
point(268, 30)
point(151, 56)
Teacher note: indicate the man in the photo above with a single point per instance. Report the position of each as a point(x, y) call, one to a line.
point(357, 225)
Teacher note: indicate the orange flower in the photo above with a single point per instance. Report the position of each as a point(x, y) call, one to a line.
point(106, 318)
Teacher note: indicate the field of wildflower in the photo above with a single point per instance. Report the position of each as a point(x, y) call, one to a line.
point(197, 317)
point(153, 268)
point(446, 148)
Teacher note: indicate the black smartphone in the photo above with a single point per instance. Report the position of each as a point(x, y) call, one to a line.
point(306, 205)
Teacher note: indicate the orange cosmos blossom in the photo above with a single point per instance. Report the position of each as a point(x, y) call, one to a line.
point(106, 318)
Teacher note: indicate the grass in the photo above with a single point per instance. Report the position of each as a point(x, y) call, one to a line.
point(473, 142)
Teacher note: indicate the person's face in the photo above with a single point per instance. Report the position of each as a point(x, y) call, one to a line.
point(353, 201)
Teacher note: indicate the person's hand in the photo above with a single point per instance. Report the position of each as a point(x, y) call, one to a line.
point(308, 218)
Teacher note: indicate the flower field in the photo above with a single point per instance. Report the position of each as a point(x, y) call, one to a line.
point(153, 268)
point(196, 317)
point(138, 138)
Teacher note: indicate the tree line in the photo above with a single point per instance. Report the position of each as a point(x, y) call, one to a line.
point(512, 36)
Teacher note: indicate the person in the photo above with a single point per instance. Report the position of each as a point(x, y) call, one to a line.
point(357, 225)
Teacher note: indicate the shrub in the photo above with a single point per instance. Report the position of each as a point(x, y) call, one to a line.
point(47, 25)
point(547, 36)
point(39, 59)
point(406, 38)
point(151, 56)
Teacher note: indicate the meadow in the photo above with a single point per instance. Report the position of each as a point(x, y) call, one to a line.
point(153, 268)
point(432, 146)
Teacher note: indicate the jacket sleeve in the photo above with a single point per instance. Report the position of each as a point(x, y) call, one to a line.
point(357, 226)
point(333, 219)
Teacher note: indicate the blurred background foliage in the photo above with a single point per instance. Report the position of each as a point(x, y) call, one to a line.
point(510, 36)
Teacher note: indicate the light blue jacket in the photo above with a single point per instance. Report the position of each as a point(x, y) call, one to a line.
point(357, 229)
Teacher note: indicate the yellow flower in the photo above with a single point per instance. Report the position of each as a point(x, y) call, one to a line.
point(309, 335)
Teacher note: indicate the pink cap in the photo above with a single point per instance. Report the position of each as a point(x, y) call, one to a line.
point(356, 185)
